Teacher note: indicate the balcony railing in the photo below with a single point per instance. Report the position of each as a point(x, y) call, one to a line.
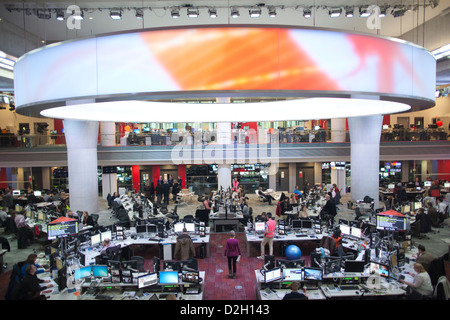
point(163, 138)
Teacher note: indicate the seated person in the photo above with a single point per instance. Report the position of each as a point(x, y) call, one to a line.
point(30, 286)
point(297, 192)
point(329, 209)
point(441, 208)
point(433, 214)
point(424, 257)
point(105, 245)
point(422, 281)
point(294, 294)
point(31, 260)
point(268, 197)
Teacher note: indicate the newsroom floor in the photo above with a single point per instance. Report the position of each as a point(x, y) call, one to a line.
point(217, 284)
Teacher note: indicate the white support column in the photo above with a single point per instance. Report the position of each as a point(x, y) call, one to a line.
point(81, 140)
point(224, 138)
point(365, 133)
point(338, 131)
point(108, 134)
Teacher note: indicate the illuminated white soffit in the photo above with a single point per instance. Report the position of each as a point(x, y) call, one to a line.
point(149, 111)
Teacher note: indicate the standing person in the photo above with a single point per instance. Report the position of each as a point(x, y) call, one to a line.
point(235, 185)
point(159, 192)
point(269, 233)
point(232, 252)
point(166, 191)
point(175, 190)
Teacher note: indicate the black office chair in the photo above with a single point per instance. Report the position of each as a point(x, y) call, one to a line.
point(95, 217)
point(188, 218)
point(113, 253)
point(140, 262)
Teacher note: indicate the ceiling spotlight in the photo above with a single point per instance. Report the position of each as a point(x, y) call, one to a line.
point(234, 13)
point(307, 13)
point(383, 12)
point(175, 13)
point(364, 12)
point(255, 12)
point(272, 12)
point(212, 13)
point(60, 15)
point(139, 14)
point(349, 12)
point(43, 14)
point(335, 12)
point(192, 12)
point(115, 14)
point(398, 12)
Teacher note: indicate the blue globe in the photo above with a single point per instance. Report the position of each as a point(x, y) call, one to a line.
point(293, 252)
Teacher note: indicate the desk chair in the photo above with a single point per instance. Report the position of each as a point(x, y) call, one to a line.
point(260, 197)
point(188, 218)
point(95, 217)
point(140, 262)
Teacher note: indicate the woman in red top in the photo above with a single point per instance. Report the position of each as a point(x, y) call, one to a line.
point(232, 252)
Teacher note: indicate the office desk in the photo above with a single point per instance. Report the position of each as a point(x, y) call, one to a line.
point(126, 291)
point(166, 243)
point(410, 194)
point(229, 221)
point(253, 238)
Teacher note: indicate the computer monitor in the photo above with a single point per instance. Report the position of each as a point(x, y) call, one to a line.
point(190, 227)
point(259, 226)
point(391, 186)
point(379, 269)
point(37, 193)
point(151, 228)
point(147, 280)
point(293, 274)
point(42, 216)
point(106, 235)
point(172, 265)
point(83, 272)
point(99, 271)
point(345, 229)
point(129, 265)
point(332, 264)
point(307, 224)
point(142, 228)
point(417, 205)
point(313, 274)
point(272, 275)
point(96, 239)
point(178, 227)
point(168, 277)
point(427, 184)
point(16, 193)
point(296, 224)
point(390, 222)
point(285, 263)
point(356, 232)
point(62, 229)
point(354, 266)
point(190, 276)
point(406, 208)
point(447, 185)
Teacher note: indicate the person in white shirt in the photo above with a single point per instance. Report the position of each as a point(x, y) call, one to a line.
point(422, 281)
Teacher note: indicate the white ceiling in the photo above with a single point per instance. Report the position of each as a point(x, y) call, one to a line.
point(288, 13)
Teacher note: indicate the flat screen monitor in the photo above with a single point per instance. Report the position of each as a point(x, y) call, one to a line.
point(96, 239)
point(190, 227)
point(272, 275)
point(427, 184)
point(307, 224)
point(168, 277)
point(356, 232)
point(99, 271)
point(391, 186)
point(83, 272)
point(354, 266)
point(62, 229)
point(447, 185)
point(106, 235)
point(42, 216)
point(142, 228)
point(345, 229)
point(417, 205)
point(259, 226)
point(16, 193)
point(151, 228)
point(178, 227)
point(406, 208)
point(37, 193)
point(293, 274)
point(296, 224)
point(190, 276)
point(148, 280)
point(313, 274)
point(391, 223)
point(378, 268)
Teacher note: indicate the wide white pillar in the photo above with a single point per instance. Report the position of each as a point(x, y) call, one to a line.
point(81, 140)
point(338, 130)
point(365, 133)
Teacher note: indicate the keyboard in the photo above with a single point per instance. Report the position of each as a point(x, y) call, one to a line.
point(103, 297)
point(298, 235)
point(349, 287)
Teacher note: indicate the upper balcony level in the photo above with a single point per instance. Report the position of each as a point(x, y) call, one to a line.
point(262, 146)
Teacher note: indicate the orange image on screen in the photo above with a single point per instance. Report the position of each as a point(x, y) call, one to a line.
point(236, 59)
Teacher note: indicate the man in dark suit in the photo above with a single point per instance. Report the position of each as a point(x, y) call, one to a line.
point(329, 209)
point(30, 287)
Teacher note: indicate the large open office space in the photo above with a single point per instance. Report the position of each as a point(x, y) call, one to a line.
point(213, 150)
